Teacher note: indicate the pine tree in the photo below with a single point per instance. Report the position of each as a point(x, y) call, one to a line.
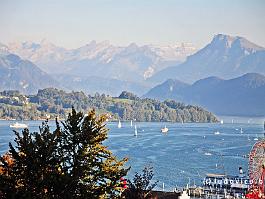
point(141, 186)
point(70, 162)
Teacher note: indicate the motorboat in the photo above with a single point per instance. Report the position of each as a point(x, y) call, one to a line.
point(164, 130)
point(17, 125)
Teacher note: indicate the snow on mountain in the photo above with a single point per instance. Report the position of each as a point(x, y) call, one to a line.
point(178, 51)
point(104, 59)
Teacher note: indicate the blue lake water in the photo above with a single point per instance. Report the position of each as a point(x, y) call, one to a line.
point(186, 153)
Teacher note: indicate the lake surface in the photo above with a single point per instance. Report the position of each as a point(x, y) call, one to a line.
point(186, 153)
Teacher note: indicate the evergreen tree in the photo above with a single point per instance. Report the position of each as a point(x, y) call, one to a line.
point(141, 187)
point(70, 162)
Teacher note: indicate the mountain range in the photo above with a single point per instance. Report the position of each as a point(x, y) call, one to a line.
point(22, 75)
point(127, 63)
point(225, 57)
point(106, 68)
point(100, 67)
point(244, 95)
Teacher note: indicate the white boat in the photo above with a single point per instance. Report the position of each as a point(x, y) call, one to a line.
point(256, 138)
point(119, 124)
point(241, 130)
point(164, 130)
point(216, 133)
point(131, 123)
point(135, 130)
point(222, 121)
point(17, 125)
point(207, 153)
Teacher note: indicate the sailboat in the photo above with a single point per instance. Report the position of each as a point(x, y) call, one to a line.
point(256, 138)
point(222, 121)
point(241, 130)
point(131, 123)
point(17, 125)
point(164, 130)
point(248, 138)
point(135, 130)
point(119, 124)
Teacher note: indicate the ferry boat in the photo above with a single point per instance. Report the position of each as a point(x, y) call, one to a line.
point(17, 125)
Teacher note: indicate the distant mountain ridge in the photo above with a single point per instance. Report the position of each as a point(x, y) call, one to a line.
point(105, 68)
point(22, 75)
point(92, 84)
point(225, 57)
point(130, 63)
point(244, 95)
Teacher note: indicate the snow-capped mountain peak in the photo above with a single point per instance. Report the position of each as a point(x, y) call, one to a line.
point(101, 57)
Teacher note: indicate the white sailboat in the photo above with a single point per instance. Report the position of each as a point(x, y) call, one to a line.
point(135, 130)
point(17, 125)
point(164, 130)
point(216, 133)
point(131, 123)
point(241, 130)
point(222, 121)
point(119, 124)
point(248, 138)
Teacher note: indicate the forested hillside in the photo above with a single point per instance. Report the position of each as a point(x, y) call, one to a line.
point(51, 103)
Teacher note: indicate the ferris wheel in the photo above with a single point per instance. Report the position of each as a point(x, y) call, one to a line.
point(257, 166)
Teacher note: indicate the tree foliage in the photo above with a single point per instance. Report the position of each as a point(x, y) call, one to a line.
point(141, 187)
point(69, 162)
point(126, 107)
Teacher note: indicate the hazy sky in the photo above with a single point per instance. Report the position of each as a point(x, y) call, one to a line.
point(74, 23)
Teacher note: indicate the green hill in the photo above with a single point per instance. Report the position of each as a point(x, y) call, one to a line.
point(52, 102)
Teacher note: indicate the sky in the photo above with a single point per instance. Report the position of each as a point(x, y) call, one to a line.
point(75, 23)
